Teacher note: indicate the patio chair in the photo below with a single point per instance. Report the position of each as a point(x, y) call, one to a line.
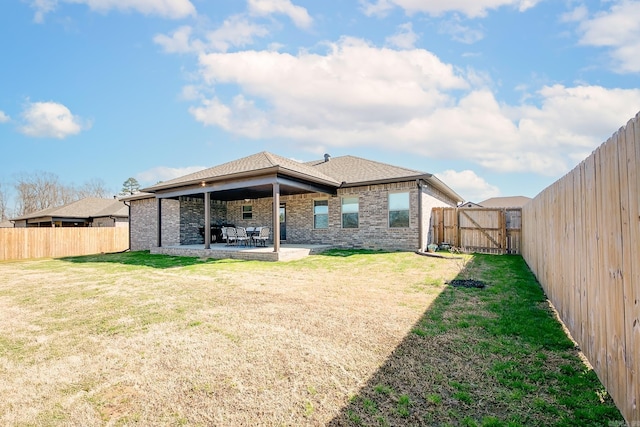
point(262, 237)
point(232, 235)
point(241, 236)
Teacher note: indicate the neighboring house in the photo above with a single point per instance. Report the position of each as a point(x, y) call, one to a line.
point(88, 212)
point(505, 202)
point(346, 201)
point(6, 224)
point(469, 205)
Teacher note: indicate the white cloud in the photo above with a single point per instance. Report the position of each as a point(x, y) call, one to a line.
point(404, 38)
point(50, 120)
point(619, 30)
point(3, 117)
point(236, 31)
point(356, 94)
point(470, 8)
point(172, 9)
point(179, 41)
point(297, 14)
point(469, 185)
point(42, 7)
point(577, 14)
point(164, 173)
point(459, 32)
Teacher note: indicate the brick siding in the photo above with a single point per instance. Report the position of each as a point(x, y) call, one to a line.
point(183, 218)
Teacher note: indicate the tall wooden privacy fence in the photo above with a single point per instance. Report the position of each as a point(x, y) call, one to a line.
point(484, 230)
point(25, 243)
point(581, 238)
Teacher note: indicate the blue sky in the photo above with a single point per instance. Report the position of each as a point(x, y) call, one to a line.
point(496, 97)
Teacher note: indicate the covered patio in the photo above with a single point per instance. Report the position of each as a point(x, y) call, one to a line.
point(287, 252)
point(257, 180)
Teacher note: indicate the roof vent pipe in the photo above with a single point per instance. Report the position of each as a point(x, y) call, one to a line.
point(327, 157)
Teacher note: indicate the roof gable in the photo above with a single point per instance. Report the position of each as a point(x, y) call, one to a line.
point(254, 164)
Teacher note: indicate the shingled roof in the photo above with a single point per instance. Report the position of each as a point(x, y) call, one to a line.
point(330, 172)
point(505, 202)
point(253, 165)
point(356, 170)
point(90, 207)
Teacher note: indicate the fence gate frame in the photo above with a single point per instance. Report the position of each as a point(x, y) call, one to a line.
point(468, 229)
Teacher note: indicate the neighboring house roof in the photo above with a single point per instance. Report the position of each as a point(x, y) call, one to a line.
point(90, 207)
point(505, 202)
point(334, 172)
point(136, 196)
point(470, 205)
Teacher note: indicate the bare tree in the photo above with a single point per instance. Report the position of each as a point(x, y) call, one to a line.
point(4, 208)
point(43, 190)
point(37, 191)
point(93, 188)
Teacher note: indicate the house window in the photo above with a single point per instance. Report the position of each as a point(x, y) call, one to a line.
point(247, 212)
point(320, 214)
point(350, 209)
point(398, 210)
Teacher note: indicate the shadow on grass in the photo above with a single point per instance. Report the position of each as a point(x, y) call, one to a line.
point(146, 259)
point(351, 252)
point(484, 357)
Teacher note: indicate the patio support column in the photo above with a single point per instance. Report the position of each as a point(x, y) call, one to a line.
point(276, 217)
point(159, 222)
point(207, 220)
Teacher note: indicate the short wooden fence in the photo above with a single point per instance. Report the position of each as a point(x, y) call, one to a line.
point(27, 243)
point(483, 230)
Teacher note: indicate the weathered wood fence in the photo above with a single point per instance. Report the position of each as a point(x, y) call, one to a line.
point(25, 243)
point(581, 238)
point(484, 230)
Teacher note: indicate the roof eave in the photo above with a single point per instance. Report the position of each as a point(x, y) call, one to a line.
point(433, 180)
point(239, 175)
point(430, 178)
point(383, 181)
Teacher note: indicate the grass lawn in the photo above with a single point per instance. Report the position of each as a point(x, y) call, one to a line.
point(343, 338)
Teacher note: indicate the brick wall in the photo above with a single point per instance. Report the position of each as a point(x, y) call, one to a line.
point(144, 223)
point(106, 221)
point(182, 218)
point(192, 218)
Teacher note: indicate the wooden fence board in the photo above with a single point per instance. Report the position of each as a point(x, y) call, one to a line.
point(27, 243)
point(631, 277)
point(488, 230)
point(580, 237)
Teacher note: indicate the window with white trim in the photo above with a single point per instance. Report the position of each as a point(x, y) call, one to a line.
point(247, 212)
point(320, 214)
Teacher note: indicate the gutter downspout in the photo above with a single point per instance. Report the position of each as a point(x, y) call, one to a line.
point(421, 242)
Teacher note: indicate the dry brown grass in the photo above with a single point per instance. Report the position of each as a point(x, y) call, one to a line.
point(213, 343)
